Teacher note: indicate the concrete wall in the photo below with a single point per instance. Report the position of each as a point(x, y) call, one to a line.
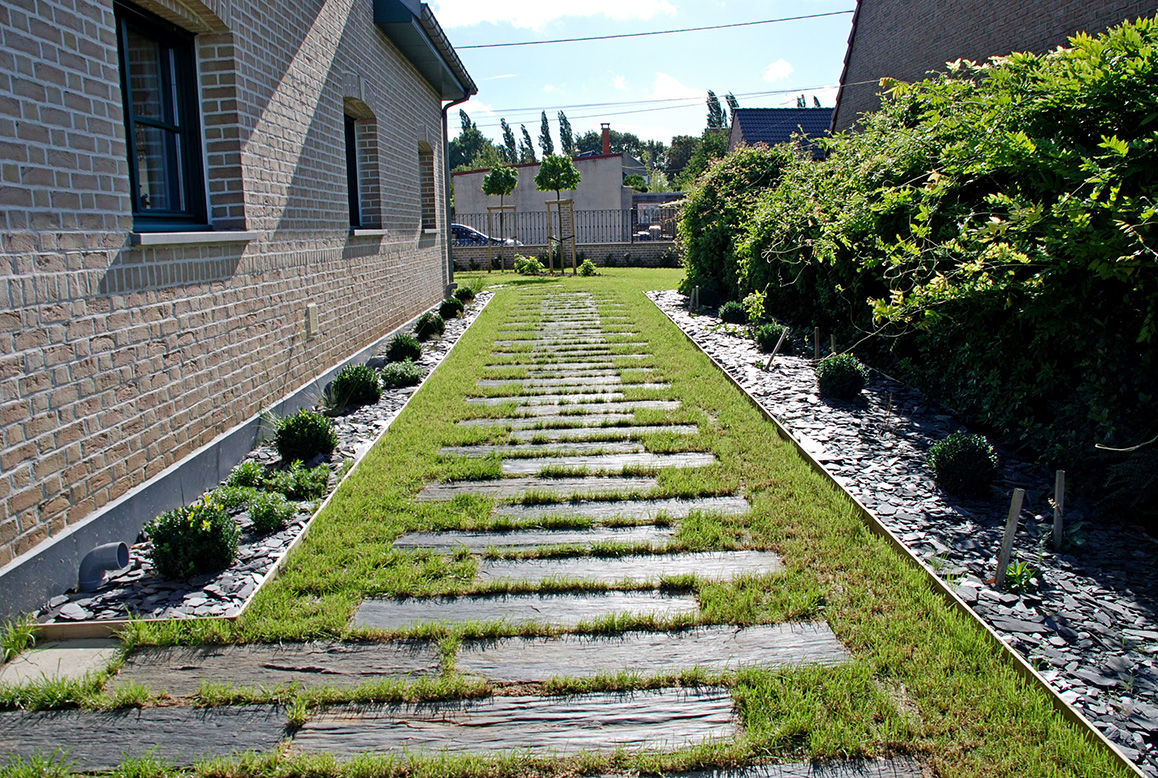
point(118, 360)
point(642, 254)
point(601, 188)
point(906, 38)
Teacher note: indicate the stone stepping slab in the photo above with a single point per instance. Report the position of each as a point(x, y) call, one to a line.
point(534, 538)
point(612, 462)
point(565, 346)
point(596, 408)
point(100, 740)
point(577, 388)
point(566, 377)
point(578, 360)
point(608, 380)
point(636, 568)
point(717, 648)
point(901, 767)
point(676, 508)
point(515, 487)
point(535, 449)
point(587, 430)
point(528, 422)
point(526, 400)
point(536, 368)
point(553, 610)
point(664, 719)
point(180, 670)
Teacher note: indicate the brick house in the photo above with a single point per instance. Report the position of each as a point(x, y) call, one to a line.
point(206, 204)
point(776, 125)
point(905, 39)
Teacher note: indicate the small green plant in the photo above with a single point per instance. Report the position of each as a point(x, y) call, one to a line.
point(528, 266)
point(403, 346)
point(464, 294)
point(841, 375)
point(733, 312)
point(754, 305)
point(270, 511)
point(587, 268)
point(768, 335)
point(450, 308)
point(963, 464)
point(246, 474)
point(233, 497)
point(197, 538)
point(38, 765)
point(398, 374)
point(429, 325)
point(16, 636)
point(1021, 577)
point(305, 435)
point(299, 482)
point(353, 385)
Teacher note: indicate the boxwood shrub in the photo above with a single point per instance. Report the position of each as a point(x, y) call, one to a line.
point(403, 346)
point(305, 435)
point(963, 464)
point(733, 312)
point(429, 325)
point(354, 385)
point(197, 538)
point(768, 335)
point(270, 511)
point(841, 375)
point(464, 294)
point(398, 374)
point(450, 308)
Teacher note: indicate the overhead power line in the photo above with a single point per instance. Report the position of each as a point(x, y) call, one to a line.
point(654, 32)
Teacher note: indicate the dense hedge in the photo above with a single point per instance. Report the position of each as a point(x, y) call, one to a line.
point(994, 228)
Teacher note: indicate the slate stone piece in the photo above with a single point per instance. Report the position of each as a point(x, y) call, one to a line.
point(100, 740)
point(525, 449)
point(665, 719)
point(613, 462)
point(557, 610)
point(709, 565)
point(180, 669)
point(719, 648)
point(516, 487)
point(533, 538)
point(586, 431)
point(674, 507)
point(533, 422)
point(901, 767)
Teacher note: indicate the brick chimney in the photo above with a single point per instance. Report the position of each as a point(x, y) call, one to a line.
point(606, 127)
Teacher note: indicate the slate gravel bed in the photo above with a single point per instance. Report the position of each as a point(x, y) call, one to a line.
point(1091, 628)
point(137, 591)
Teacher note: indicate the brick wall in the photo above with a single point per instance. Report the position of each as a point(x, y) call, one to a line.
point(118, 360)
point(642, 254)
point(906, 38)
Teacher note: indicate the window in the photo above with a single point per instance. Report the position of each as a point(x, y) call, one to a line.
point(159, 87)
point(352, 171)
point(426, 187)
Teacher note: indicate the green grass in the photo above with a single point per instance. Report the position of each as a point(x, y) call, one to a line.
point(16, 636)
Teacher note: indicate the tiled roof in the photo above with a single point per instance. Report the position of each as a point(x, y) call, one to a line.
point(776, 125)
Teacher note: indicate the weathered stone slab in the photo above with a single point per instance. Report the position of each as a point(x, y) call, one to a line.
point(900, 767)
point(180, 670)
point(63, 660)
point(515, 487)
point(587, 430)
point(529, 422)
point(100, 740)
point(607, 380)
point(709, 565)
point(556, 610)
point(523, 400)
point(563, 367)
point(675, 508)
point(565, 345)
point(719, 649)
point(530, 466)
point(526, 449)
point(596, 408)
point(663, 719)
point(533, 538)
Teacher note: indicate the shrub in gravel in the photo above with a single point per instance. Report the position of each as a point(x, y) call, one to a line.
point(270, 511)
point(403, 346)
point(197, 538)
point(586, 268)
point(841, 375)
point(963, 464)
point(398, 374)
point(429, 325)
point(233, 497)
point(768, 335)
point(464, 294)
point(734, 312)
point(299, 482)
point(450, 308)
point(246, 474)
point(304, 435)
point(353, 385)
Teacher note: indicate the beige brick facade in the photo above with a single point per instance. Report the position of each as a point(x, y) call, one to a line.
point(118, 359)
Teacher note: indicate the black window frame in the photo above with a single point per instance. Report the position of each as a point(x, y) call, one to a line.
point(353, 191)
point(181, 112)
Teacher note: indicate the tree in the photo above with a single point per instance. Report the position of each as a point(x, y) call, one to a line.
point(557, 173)
point(472, 149)
point(510, 150)
point(501, 181)
point(621, 143)
point(635, 181)
point(733, 103)
point(713, 145)
point(717, 120)
point(545, 142)
point(683, 147)
point(566, 138)
point(526, 148)
point(801, 102)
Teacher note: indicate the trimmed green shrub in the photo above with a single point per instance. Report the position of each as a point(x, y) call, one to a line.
point(963, 464)
point(305, 435)
point(528, 266)
point(733, 312)
point(270, 511)
point(768, 335)
point(354, 385)
point(586, 268)
point(403, 346)
point(197, 538)
point(450, 308)
point(841, 375)
point(233, 497)
point(246, 474)
point(429, 325)
point(398, 374)
point(299, 482)
point(464, 294)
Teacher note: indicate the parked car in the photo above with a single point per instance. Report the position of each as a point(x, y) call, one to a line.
point(463, 235)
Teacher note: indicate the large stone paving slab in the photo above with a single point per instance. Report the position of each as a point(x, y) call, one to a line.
point(546, 399)
point(675, 508)
point(535, 422)
point(901, 767)
point(544, 449)
point(181, 669)
point(720, 648)
point(100, 740)
point(63, 660)
point(533, 538)
point(666, 719)
point(553, 610)
point(598, 409)
point(608, 462)
point(710, 565)
point(586, 431)
point(516, 487)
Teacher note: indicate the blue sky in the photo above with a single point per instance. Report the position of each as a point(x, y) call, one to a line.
point(517, 83)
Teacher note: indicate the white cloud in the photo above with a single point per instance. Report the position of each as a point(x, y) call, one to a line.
point(536, 14)
point(778, 71)
point(666, 87)
point(619, 82)
point(501, 75)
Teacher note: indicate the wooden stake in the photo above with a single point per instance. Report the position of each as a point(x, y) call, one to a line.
point(696, 298)
point(832, 343)
point(776, 350)
point(1059, 508)
point(816, 343)
point(1007, 541)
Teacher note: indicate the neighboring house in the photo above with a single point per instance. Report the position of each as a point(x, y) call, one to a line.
point(905, 39)
point(206, 204)
point(776, 125)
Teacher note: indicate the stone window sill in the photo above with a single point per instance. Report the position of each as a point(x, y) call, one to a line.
point(359, 232)
point(189, 238)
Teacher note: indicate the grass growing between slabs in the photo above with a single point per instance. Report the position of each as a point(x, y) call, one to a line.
point(925, 680)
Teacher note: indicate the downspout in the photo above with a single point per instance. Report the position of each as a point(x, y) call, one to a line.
point(446, 186)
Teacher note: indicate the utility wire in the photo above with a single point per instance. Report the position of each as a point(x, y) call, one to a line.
point(654, 32)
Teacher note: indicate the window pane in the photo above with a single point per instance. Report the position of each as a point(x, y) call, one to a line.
point(146, 79)
point(159, 176)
